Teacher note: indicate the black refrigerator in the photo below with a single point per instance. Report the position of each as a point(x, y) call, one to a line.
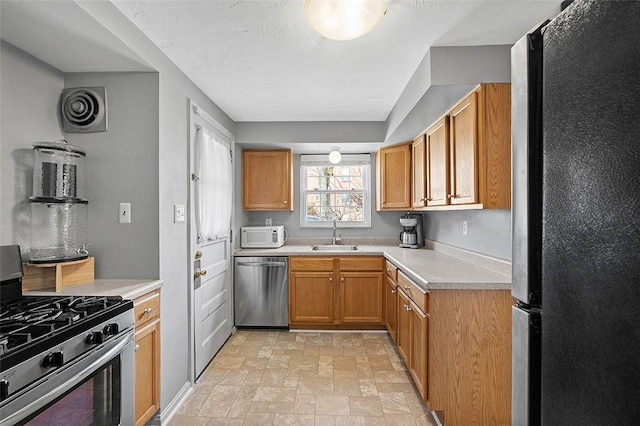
point(576, 217)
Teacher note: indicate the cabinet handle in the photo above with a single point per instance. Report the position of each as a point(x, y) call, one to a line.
point(200, 273)
point(407, 288)
point(407, 308)
point(136, 348)
point(429, 199)
point(198, 254)
point(393, 291)
point(342, 279)
point(451, 196)
point(285, 201)
point(148, 311)
point(330, 279)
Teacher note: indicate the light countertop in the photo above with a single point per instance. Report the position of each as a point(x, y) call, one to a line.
point(127, 289)
point(429, 268)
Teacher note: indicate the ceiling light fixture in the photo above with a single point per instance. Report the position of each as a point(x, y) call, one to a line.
point(335, 156)
point(343, 19)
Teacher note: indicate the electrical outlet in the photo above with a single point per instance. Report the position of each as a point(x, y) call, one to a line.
point(125, 213)
point(178, 213)
point(268, 221)
point(464, 227)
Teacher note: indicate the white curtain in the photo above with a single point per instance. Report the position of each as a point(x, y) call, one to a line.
point(213, 186)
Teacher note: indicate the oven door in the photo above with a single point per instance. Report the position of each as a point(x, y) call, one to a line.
point(96, 389)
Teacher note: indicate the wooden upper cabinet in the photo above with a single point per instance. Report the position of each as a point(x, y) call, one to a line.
point(393, 177)
point(480, 148)
point(437, 159)
point(267, 179)
point(418, 175)
point(464, 151)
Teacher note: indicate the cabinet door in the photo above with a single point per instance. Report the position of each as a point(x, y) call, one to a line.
point(267, 182)
point(147, 380)
point(361, 297)
point(463, 151)
point(391, 308)
point(394, 177)
point(404, 326)
point(311, 297)
point(418, 348)
point(437, 147)
point(418, 176)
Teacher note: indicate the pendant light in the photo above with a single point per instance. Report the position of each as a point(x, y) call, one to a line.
point(343, 19)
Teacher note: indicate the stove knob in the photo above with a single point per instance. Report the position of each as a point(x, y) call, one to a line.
point(4, 389)
point(54, 359)
point(110, 329)
point(95, 338)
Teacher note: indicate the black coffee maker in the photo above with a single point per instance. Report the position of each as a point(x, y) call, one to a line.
point(412, 235)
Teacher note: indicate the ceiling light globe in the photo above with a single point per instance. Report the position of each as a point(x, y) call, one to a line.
point(334, 156)
point(343, 19)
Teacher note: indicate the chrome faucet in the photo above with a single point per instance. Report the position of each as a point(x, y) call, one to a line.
point(335, 227)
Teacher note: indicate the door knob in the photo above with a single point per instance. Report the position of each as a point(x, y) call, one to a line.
point(200, 273)
point(198, 254)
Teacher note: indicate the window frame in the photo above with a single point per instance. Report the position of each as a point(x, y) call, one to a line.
point(364, 160)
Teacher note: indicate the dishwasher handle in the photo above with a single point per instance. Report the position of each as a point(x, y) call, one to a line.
point(261, 264)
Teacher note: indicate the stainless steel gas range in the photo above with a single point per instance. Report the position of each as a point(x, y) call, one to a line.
point(65, 360)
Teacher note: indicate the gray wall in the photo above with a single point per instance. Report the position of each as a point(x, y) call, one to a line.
point(488, 231)
point(30, 91)
point(175, 89)
point(383, 224)
point(122, 166)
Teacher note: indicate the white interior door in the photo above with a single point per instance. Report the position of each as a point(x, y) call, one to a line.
point(211, 280)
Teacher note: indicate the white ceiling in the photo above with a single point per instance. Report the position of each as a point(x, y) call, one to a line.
point(257, 60)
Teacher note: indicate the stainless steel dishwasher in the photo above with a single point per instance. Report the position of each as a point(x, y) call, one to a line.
point(261, 293)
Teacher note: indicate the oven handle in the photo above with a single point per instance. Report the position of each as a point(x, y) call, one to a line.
point(76, 379)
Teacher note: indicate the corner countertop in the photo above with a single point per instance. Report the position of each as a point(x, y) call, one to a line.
point(429, 268)
point(127, 289)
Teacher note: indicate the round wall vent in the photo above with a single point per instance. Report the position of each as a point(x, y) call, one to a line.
point(84, 110)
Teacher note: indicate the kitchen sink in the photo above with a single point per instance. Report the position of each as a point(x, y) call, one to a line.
point(334, 247)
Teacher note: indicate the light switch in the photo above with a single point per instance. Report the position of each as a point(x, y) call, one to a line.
point(125, 213)
point(464, 227)
point(178, 213)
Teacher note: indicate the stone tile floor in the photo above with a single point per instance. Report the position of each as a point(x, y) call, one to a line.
point(267, 377)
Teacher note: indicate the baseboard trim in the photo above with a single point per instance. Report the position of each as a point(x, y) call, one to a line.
point(167, 413)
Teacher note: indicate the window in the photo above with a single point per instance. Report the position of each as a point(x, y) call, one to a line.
point(335, 191)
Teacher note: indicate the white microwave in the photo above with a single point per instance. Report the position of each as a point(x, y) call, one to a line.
point(262, 236)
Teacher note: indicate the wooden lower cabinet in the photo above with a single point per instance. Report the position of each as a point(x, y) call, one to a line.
point(412, 340)
point(391, 308)
point(469, 356)
point(361, 297)
point(418, 348)
point(311, 297)
point(404, 327)
point(340, 292)
point(147, 356)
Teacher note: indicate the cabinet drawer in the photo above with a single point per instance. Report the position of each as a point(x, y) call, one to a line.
point(392, 270)
point(415, 292)
point(361, 263)
point(146, 308)
point(307, 263)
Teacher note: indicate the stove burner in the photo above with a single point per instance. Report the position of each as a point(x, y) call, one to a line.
point(30, 318)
